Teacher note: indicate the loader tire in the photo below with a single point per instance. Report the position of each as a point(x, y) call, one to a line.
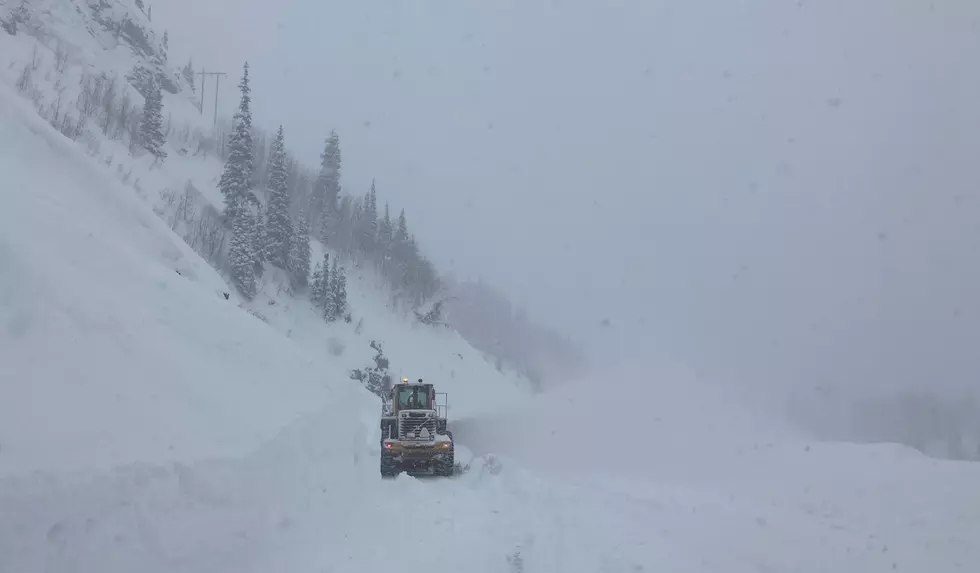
point(389, 466)
point(445, 466)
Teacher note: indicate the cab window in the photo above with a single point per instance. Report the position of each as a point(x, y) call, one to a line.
point(413, 398)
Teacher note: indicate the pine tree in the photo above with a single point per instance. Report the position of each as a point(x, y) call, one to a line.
point(326, 191)
point(235, 183)
point(151, 124)
point(279, 228)
point(330, 298)
point(258, 240)
point(240, 255)
point(318, 193)
point(260, 154)
point(166, 44)
point(409, 270)
point(355, 226)
point(400, 237)
point(330, 292)
point(321, 292)
point(299, 253)
point(368, 223)
point(188, 73)
point(317, 289)
point(400, 253)
point(339, 281)
point(384, 240)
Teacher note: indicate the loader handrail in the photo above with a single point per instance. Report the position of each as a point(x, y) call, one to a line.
point(442, 409)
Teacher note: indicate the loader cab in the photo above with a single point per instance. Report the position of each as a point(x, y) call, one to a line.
point(413, 397)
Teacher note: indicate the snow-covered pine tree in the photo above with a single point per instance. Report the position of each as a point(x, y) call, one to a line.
point(400, 253)
point(188, 73)
point(339, 280)
point(368, 223)
point(410, 267)
point(330, 299)
point(279, 227)
point(321, 291)
point(299, 189)
point(258, 239)
point(430, 283)
point(342, 230)
point(260, 155)
point(151, 124)
point(317, 195)
point(356, 226)
point(317, 289)
point(326, 193)
point(299, 253)
point(240, 255)
point(235, 182)
point(384, 241)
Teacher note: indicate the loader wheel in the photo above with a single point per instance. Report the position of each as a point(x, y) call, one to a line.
point(389, 466)
point(446, 466)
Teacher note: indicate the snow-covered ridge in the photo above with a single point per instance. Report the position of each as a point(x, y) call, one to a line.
point(87, 31)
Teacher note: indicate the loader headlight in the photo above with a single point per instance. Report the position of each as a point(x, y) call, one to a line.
point(443, 445)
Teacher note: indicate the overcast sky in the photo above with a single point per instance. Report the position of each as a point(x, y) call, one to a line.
point(765, 189)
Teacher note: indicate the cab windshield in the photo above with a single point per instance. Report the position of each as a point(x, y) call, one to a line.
point(413, 398)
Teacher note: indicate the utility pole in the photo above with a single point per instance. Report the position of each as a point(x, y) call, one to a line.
point(217, 79)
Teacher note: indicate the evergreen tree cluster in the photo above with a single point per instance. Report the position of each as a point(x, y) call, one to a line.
point(151, 136)
point(355, 227)
point(302, 203)
point(329, 290)
point(260, 235)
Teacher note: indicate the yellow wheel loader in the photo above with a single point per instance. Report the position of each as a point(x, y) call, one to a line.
point(414, 433)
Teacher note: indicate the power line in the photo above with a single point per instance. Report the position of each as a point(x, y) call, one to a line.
point(217, 79)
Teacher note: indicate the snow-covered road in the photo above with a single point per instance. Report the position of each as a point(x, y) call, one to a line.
point(306, 503)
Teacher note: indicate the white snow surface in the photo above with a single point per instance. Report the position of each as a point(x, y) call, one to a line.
point(148, 424)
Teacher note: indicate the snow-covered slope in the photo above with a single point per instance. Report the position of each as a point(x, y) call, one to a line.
point(183, 193)
point(117, 343)
point(148, 423)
